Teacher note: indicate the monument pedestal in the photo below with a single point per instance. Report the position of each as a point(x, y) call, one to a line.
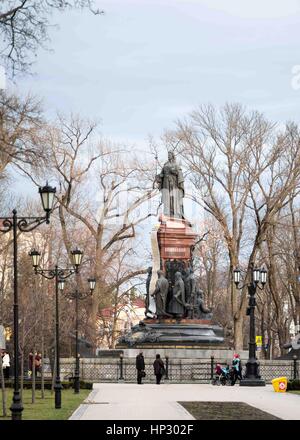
point(252, 383)
point(175, 243)
point(176, 240)
point(171, 332)
point(193, 352)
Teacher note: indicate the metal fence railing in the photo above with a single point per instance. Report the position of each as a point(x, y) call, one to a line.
point(278, 369)
point(178, 370)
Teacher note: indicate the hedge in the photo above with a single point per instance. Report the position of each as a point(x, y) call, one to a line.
point(48, 384)
point(293, 385)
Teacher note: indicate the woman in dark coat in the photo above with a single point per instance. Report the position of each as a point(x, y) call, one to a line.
point(159, 368)
point(140, 366)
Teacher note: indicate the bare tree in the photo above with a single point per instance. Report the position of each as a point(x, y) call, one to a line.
point(103, 190)
point(121, 296)
point(24, 27)
point(278, 307)
point(21, 139)
point(240, 166)
point(217, 147)
point(210, 261)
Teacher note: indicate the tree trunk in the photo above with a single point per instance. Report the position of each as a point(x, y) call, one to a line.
point(268, 354)
point(42, 365)
point(238, 333)
point(236, 309)
point(282, 340)
point(238, 324)
point(22, 359)
point(262, 331)
point(22, 372)
point(53, 374)
point(33, 379)
point(42, 353)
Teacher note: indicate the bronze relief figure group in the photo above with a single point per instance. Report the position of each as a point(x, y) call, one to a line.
point(182, 300)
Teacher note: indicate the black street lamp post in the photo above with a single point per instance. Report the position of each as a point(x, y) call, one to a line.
point(60, 275)
point(23, 224)
point(79, 296)
point(295, 366)
point(252, 376)
point(167, 368)
point(121, 367)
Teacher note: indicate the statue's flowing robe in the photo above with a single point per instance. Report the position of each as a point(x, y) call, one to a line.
point(176, 305)
point(171, 184)
point(190, 288)
point(160, 294)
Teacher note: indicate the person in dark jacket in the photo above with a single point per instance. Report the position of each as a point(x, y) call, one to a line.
point(159, 368)
point(140, 366)
point(236, 369)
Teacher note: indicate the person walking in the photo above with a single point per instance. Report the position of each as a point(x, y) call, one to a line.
point(159, 368)
point(140, 366)
point(240, 368)
point(5, 364)
point(236, 369)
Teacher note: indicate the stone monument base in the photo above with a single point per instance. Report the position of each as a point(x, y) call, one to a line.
point(186, 332)
point(252, 383)
point(172, 334)
point(193, 353)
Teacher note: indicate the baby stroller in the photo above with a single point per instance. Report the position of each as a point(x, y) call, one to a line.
point(222, 376)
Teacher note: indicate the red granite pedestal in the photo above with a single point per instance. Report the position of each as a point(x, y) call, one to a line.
point(176, 239)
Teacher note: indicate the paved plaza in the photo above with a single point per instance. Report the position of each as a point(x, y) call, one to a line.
point(113, 401)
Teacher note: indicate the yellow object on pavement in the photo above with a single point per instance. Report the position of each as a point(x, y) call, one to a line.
point(280, 384)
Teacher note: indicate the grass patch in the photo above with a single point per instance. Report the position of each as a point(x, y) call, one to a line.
point(43, 409)
point(294, 392)
point(225, 411)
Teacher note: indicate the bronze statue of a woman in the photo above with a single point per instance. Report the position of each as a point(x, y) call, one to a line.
point(171, 184)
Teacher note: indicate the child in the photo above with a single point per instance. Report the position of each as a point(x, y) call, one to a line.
point(218, 370)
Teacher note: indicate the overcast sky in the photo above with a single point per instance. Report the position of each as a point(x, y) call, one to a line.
point(145, 63)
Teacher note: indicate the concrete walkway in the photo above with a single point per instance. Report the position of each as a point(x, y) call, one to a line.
point(113, 401)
